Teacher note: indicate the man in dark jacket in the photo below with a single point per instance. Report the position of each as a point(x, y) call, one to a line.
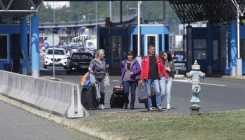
point(16, 55)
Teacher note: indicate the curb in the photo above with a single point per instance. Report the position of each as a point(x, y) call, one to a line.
point(59, 120)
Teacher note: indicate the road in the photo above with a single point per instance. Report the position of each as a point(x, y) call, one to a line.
point(17, 124)
point(217, 94)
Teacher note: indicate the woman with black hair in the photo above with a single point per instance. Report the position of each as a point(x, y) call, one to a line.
point(170, 69)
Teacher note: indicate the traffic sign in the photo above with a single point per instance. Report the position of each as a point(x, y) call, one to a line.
point(53, 40)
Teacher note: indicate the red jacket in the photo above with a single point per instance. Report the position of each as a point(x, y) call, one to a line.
point(145, 68)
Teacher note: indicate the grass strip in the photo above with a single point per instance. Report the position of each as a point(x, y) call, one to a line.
point(161, 126)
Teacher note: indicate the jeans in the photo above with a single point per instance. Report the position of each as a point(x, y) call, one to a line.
point(166, 88)
point(132, 86)
point(155, 84)
point(102, 92)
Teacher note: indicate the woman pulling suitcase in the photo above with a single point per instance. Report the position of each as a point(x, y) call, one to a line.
point(130, 68)
point(98, 67)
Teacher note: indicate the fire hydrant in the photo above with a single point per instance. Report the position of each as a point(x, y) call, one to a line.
point(195, 76)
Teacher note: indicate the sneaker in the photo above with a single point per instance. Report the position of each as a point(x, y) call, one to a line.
point(168, 107)
point(150, 109)
point(159, 109)
point(101, 107)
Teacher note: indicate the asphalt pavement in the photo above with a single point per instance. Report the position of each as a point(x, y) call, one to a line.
point(17, 124)
point(217, 94)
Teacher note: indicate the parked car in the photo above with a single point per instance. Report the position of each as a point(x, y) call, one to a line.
point(74, 48)
point(78, 62)
point(60, 58)
point(81, 50)
point(179, 58)
point(90, 50)
point(179, 55)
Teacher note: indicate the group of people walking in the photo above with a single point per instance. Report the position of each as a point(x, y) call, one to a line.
point(155, 72)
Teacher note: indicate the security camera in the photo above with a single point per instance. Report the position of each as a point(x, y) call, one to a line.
point(32, 8)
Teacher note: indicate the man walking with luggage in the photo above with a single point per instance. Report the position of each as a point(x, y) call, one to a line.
point(16, 55)
point(152, 71)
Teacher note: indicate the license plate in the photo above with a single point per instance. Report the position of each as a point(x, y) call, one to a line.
point(84, 66)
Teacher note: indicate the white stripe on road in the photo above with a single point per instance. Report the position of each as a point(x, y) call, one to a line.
point(186, 81)
point(116, 80)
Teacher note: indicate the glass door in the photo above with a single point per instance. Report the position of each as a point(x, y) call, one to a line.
point(151, 40)
point(116, 42)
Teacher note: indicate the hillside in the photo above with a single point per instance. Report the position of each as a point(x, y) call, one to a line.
point(150, 10)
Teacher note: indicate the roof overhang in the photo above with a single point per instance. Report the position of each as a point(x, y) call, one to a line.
point(215, 11)
point(18, 8)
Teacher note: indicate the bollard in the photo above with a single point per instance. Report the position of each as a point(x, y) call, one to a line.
point(195, 75)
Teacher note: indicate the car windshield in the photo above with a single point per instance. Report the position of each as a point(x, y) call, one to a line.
point(56, 52)
point(82, 56)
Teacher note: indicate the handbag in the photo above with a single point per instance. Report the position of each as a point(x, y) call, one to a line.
point(107, 79)
point(142, 94)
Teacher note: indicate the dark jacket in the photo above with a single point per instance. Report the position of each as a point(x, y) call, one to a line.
point(135, 69)
point(16, 54)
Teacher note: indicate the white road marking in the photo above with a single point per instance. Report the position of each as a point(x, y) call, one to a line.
point(116, 80)
point(186, 81)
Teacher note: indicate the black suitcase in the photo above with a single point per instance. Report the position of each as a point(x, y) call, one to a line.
point(88, 99)
point(7, 67)
point(117, 97)
point(153, 99)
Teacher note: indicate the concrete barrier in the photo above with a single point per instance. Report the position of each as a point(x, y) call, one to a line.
point(60, 98)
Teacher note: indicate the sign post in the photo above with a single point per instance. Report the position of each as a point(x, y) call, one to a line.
point(53, 40)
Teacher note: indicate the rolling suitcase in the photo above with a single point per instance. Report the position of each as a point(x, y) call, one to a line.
point(7, 67)
point(88, 99)
point(117, 97)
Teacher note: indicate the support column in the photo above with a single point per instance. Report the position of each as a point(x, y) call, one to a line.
point(24, 44)
point(209, 47)
point(233, 47)
point(35, 45)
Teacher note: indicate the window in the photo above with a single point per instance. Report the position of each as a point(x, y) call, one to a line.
point(82, 56)
point(199, 44)
point(116, 46)
point(215, 50)
point(56, 52)
point(3, 47)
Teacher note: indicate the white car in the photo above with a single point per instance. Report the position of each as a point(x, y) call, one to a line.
point(60, 57)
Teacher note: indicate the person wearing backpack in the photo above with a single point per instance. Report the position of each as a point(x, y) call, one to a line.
point(130, 68)
point(170, 69)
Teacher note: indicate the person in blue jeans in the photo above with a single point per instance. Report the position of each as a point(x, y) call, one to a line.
point(130, 68)
point(152, 70)
point(170, 68)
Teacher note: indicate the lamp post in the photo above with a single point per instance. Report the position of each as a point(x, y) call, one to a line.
point(138, 52)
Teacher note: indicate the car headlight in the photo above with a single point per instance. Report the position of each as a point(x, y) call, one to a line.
point(74, 63)
point(65, 58)
point(47, 58)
